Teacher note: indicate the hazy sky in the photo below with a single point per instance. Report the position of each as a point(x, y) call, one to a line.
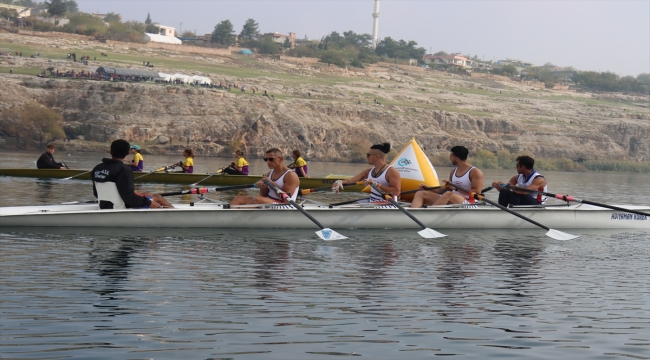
point(589, 35)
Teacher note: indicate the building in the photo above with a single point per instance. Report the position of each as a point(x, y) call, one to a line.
point(516, 63)
point(102, 16)
point(21, 10)
point(162, 39)
point(55, 21)
point(280, 38)
point(452, 60)
point(167, 30)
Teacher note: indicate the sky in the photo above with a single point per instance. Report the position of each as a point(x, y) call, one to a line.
point(588, 35)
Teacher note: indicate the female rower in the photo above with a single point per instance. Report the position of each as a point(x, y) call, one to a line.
point(239, 167)
point(386, 177)
point(137, 164)
point(188, 164)
point(299, 164)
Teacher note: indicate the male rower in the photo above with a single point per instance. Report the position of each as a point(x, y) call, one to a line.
point(284, 178)
point(114, 170)
point(386, 178)
point(464, 175)
point(527, 177)
point(46, 161)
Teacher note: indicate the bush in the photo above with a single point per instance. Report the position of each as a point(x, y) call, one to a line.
point(484, 159)
point(301, 51)
point(85, 24)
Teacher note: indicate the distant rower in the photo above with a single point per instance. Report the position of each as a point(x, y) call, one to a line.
point(464, 175)
point(188, 163)
point(137, 164)
point(46, 161)
point(386, 177)
point(527, 178)
point(299, 164)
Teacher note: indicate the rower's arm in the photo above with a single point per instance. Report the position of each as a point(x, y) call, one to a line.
point(477, 181)
point(360, 176)
point(394, 182)
point(291, 183)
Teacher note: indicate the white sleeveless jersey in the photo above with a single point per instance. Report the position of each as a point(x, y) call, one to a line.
point(280, 183)
point(462, 181)
point(380, 179)
point(524, 183)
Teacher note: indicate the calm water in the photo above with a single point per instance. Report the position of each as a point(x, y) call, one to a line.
point(284, 294)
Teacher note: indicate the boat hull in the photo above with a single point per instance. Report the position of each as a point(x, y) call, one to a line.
point(173, 178)
point(216, 216)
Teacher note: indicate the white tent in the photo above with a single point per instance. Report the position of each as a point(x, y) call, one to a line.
point(165, 77)
point(182, 77)
point(161, 39)
point(200, 79)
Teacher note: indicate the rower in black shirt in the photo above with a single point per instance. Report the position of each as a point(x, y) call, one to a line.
point(46, 161)
point(114, 170)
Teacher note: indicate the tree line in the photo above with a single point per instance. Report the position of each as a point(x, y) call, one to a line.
point(344, 49)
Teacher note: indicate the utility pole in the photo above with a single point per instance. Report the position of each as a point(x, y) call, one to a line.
point(375, 25)
point(181, 28)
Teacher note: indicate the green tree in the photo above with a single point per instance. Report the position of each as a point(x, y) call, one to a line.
point(223, 33)
point(286, 44)
point(188, 34)
point(152, 29)
point(10, 14)
point(250, 30)
point(644, 78)
point(440, 53)
point(267, 46)
point(148, 20)
point(112, 17)
point(32, 121)
point(71, 6)
point(56, 8)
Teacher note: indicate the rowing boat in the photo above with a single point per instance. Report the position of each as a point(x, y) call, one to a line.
point(174, 178)
point(211, 215)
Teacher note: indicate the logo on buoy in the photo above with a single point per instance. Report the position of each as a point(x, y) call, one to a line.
point(403, 162)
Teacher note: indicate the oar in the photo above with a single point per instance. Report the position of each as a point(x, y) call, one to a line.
point(555, 234)
point(72, 177)
point(324, 233)
point(416, 190)
point(571, 198)
point(207, 190)
point(326, 188)
point(425, 232)
point(155, 171)
point(209, 176)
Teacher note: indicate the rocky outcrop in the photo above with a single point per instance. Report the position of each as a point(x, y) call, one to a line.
point(217, 122)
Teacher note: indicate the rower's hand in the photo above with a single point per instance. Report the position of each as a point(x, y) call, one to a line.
point(422, 187)
point(497, 185)
point(232, 164)
point(447, 185)
point(154, 205)
point(262, 184)
point(337, 186)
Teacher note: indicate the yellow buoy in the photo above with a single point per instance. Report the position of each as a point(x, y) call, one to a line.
point(414, 168)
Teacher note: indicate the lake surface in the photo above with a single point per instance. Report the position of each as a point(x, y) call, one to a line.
point(284, 294)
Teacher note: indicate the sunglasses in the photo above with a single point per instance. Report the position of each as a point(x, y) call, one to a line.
point(269, 159)
point(369, 155)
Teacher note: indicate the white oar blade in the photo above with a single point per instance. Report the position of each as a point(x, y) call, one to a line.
point(328, 234)
point(430, 234)
point(559, 235)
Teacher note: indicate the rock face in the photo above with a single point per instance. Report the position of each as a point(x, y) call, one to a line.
point(217, 122)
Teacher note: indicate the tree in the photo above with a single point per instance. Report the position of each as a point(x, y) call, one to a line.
point(223, 33)
point(148, 20)
point(71, 6)
point(286, 44)
point(56, 8)
point(644, 78)
point(249, 31)
point(112, 17)
point(152, 29)
point(32, 121)
point(10, 14)
point(440, 53)
point(188, 34)
point(267, 46)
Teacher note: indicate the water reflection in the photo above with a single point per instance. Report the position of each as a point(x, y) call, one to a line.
point(273, 258)
point(111, 259)
point(520, 259)
point(457, 264)
point(45, 190)
point(376, 258)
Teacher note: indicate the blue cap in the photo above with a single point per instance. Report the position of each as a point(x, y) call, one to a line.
point(135, 147)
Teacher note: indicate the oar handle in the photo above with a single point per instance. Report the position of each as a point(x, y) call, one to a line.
point(197, 191)
point(326, 188)
point(286, 197)
point(72, 177)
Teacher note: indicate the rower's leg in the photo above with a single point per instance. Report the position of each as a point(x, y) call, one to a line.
point(241, 200)
point(505, 197)
point(424, 198)
point(262, 200)
point(450, 197)
point(162, 201)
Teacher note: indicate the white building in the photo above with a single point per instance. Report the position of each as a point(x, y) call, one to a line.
point(161, 39)
point(21, 10)
point(167, 30)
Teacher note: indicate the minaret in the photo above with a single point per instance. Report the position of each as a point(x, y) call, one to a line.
point(375, 25)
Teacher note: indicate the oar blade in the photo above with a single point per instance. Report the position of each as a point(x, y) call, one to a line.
point(559, 235)
point(328, 234)
point(430, 234)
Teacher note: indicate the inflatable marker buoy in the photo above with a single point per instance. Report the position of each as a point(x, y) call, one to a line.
point(414, 168)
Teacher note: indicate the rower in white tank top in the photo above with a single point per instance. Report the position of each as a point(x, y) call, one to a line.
point(464, 182)
point(280, 184)
point(380, 179)
point(525, 182)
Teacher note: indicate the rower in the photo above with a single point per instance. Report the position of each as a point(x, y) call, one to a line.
point(283, 177)
point(137, 164)
point(464, 175)
point(299, 164)
point(188, 163)
point(46, 161)
point(386, 177)
point(238, 167)
point(527, 177)
point(115, 170)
